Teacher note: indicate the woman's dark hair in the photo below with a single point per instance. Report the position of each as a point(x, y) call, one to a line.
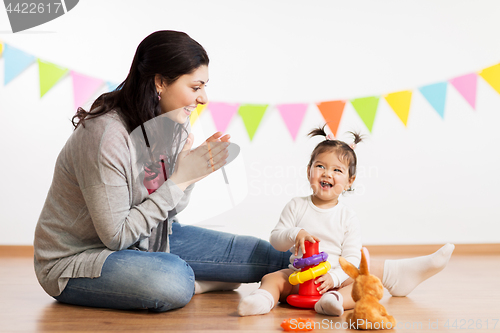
point(170, 54)
point(344, 151)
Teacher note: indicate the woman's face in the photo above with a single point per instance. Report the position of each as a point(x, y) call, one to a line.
point(180, 98)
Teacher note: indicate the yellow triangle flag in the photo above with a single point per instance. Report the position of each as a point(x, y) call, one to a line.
point(492, 76)
point(49, 75)
point(197, 113)
point(400, 103)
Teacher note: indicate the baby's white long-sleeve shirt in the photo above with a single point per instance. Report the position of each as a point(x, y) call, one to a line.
point(338, 229)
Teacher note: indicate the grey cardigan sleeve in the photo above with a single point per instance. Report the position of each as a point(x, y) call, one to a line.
point(183, 202)
point(109, 186)
point(120, 226)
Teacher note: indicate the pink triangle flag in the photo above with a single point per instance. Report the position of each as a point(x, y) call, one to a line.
point(466, 86)
point(222, 113)
point(292, 115)
point(83, 87)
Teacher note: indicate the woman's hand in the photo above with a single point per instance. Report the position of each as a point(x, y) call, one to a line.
point(303, 236)
point(326, 283)
point(217, 137)
point(194, 165)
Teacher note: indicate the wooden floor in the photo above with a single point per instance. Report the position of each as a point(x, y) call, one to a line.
point(463, 297)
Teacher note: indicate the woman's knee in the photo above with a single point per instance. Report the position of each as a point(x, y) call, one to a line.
point(135, 280)
point(173, 285)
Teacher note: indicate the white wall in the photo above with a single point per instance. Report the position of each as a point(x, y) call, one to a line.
point(434, 181)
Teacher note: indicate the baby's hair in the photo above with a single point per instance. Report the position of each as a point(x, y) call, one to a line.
point(345, 152)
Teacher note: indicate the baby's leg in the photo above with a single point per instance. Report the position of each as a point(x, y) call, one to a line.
point(273, 287)
point(346, 293)
point(334, 302)
point(401, 276)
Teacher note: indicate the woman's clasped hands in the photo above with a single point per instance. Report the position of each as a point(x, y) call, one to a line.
point(194, 165)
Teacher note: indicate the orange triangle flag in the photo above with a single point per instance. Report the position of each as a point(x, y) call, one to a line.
point(332, 113)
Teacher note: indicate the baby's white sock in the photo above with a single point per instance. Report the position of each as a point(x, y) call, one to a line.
point(331, 303)
point(258, 302)
point(201, 287)
point(403, 275)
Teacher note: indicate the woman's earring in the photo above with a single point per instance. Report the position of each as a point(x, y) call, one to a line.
point(159, 97)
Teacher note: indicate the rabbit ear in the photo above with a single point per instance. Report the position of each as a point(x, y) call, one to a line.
point(349, 268)
point(364, 266)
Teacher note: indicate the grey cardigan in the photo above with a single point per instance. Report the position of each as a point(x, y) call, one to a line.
point(97, 204)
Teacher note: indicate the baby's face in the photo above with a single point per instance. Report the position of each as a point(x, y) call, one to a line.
point(328, 177)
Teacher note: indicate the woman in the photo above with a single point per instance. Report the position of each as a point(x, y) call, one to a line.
point(102, 240)
point(107, 235)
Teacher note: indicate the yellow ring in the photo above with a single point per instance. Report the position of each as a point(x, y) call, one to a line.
point(309, 274)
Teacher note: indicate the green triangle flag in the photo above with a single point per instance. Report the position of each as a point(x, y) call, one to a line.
point(49, 75)
point(366, 108)
point(252, 115)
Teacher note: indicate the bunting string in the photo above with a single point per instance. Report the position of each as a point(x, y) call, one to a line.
point(84, 87)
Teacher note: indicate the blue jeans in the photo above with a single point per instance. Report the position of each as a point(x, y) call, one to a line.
point(161, 281)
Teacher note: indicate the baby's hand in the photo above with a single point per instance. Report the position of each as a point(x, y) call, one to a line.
point(326, 283)
point(303, 236)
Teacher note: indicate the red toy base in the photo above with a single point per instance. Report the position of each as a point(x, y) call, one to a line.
point(303, 301)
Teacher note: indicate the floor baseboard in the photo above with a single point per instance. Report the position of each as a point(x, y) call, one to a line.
point(16, 251)
point(414, 250)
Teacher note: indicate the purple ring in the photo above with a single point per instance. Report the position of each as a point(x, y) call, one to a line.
point(312, 260)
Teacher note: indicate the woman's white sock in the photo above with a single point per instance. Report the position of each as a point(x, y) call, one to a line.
point(258, 302)
point(331, 303)
point(201, 287)
point(403, 275)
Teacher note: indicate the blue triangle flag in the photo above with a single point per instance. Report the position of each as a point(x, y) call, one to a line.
point(435, 94)
point(15, 62)
point(111, 86)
